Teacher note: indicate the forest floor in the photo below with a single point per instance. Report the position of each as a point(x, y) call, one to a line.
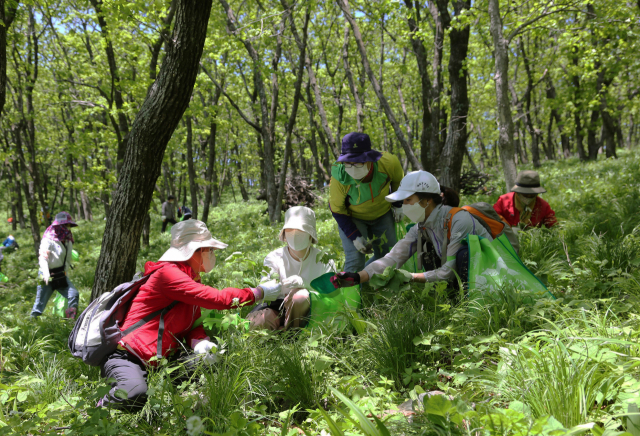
point(519, 365)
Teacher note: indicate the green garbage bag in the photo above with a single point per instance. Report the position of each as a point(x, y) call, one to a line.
point(410, 265)
point(495, 265)
point(330, 305)
point(3, 278)
point(60, 305)
point(74, 255)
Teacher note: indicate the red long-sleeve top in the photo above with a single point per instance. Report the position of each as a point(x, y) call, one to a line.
point(542, 212)
point(174, 281)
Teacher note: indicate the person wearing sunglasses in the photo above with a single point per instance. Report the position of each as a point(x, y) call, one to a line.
point(522, 207)
point(360, 180)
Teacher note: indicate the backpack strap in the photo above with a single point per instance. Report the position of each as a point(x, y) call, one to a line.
point(448, 222)
point(148, 318)
point(161, 327)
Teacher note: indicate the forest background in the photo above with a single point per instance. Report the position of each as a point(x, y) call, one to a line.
point(463, 89)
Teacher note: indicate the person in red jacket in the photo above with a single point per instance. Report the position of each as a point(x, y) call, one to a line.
point(523, 206)
point(174, 278)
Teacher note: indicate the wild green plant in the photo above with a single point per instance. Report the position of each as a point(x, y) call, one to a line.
point(551, 377)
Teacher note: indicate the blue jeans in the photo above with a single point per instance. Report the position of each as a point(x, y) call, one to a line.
point(46, 291)
point(385, 225)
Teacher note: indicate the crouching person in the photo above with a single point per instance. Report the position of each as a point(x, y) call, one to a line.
point(295, 265)
point(174, 281)
point(422, 203)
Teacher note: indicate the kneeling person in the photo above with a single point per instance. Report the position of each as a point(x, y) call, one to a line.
point(174, 281)
point(296, 265)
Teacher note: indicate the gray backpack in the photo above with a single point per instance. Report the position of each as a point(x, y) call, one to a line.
point(97, 331)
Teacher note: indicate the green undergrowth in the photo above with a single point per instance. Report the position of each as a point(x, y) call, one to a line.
point(422, 361)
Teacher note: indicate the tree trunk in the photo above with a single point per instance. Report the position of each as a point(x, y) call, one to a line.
point(352, 85)
point(27, 189)
point(415, 164)
point(193, 187)
point(211, 175)
point(6, 18)
point(555, 114)
point(533, 131)
point(122, 129)
point(146, 229)
point(456, 145)
point(16, 187)
point(166, 102)
point(267, 138)
point(292, 116)
point(243, 190)
point(505, 122)
point(429, 162)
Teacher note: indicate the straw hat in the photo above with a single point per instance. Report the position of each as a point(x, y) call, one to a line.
point(300, 218)
point(186, 238)
point(528, 182)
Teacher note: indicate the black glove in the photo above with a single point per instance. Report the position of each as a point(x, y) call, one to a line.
point(345, 280)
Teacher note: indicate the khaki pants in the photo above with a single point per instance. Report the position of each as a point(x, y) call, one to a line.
point(282, 314)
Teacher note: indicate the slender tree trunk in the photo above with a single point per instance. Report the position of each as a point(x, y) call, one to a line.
point(533, 131)
point(211, 175)
point(505, 122)
point(352, 84)
point(456, 145)
point(164, 106)
point(427, 157)
point(6, 18)
point(123, 125)
point(191, 167)
point(555, 114)
point(28, 190)
point(16, 187)
point(243, 190)
point(267, 137)
point(292, 116)
point(415, 164)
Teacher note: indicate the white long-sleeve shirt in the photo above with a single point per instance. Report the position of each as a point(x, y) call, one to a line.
point(282, 263)
point(52, 254)
point(463, 224)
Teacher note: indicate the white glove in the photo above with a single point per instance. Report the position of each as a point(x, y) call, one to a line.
point(46, 277)
point(397, 214)
point(203, 349)
point(293, 282)
point(271, 290)
point(164, 218)
point(362, 245)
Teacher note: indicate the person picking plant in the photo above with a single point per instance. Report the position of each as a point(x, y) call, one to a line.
point(421, 198)
point(360, 179)
point(296, 265)
point(174, 283)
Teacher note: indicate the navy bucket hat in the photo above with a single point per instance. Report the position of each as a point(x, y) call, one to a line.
point(356, 147)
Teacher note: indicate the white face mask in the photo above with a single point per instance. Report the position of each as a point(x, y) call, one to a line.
point(414, 212)
point(298, 240)
point(357, 173)
point(208, 261)
point(526, 201)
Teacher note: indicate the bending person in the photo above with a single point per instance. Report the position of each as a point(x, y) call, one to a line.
point(421, 198)
point(360, 179)
point(297, 265)
point(522, 206)
point(175, 279)
point(54, 258)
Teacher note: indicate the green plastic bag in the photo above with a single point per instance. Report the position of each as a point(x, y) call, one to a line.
point(495, 265)
point(74, 255)
point(60, 305)
point(330, 305)
point(411, 264)
point(3, 278)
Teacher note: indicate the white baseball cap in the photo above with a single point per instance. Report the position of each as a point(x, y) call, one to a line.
point(186, 238)
point(416, 181)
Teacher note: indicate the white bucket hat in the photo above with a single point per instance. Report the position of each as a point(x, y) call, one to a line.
point(415, 181)
point(186, 238)
point(300, 218)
